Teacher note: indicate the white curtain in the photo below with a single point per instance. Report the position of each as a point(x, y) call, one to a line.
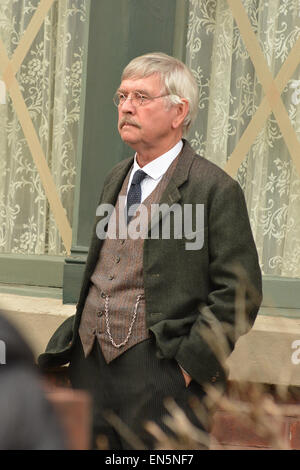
point(230, 93)
point(50, 81)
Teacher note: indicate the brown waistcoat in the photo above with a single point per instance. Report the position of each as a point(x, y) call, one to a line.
point(119, 275)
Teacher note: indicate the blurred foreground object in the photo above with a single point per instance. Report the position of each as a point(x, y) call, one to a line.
point(74, 411)
point(249, 416)
point(27, 419)
point(254, 416)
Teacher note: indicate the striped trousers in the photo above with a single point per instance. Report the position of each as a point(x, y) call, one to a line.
point(130, 391)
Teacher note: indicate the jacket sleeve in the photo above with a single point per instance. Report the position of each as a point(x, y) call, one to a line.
point(58, 349)
point(236, 287)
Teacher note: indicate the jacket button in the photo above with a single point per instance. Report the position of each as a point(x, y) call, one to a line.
point(213, 379)
point(99, 314)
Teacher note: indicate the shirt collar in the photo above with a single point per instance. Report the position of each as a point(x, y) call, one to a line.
point(157, 167)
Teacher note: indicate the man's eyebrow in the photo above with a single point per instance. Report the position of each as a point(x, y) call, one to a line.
point(142, 92)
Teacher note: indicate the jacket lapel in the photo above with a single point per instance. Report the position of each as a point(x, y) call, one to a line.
point(109, 196)
point(113, 187)
point(172, 194)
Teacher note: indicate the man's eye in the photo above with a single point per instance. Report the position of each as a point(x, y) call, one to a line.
point(144, 97)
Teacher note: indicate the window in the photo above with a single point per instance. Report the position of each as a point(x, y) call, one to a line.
point(232, 101)
point(39, 123)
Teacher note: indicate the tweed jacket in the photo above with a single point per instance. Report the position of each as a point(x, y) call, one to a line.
point(196, 300)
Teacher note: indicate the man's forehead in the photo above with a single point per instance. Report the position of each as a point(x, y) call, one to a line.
point(141, 84)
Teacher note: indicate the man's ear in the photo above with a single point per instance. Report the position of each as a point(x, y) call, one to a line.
point(182, 110)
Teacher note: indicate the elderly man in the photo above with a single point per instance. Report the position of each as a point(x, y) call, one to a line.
point(145, 301)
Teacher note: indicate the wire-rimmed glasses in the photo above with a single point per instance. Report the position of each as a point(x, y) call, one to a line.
point(137, 98)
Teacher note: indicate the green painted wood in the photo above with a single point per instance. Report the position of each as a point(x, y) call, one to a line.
point(280, 312)
point(31, 291)
point(180, 29)
point(34, 270)
point(75, 218)
point(73, 274)
point(281, 292)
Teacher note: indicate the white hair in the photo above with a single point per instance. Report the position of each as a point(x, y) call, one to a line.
point(176, 80)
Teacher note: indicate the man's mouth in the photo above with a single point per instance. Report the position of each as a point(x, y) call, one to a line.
point(126, 122)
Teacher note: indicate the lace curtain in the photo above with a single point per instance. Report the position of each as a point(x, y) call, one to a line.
point(50, 81)
point(230, 93)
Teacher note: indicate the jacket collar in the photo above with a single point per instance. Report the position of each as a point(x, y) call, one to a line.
point(171, 193)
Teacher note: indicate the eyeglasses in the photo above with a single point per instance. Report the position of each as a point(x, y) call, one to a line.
point(137, 98)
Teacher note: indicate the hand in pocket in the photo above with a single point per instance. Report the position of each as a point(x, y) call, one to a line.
point(187, 377)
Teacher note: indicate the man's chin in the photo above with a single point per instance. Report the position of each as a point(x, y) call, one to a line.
point(131, 143)
point(128, 138)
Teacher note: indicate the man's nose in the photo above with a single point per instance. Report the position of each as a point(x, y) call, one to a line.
point(127, 106)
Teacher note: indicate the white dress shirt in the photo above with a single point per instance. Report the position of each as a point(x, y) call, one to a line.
point(155, 170)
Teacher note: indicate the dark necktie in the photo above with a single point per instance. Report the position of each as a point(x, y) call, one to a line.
point(135, 193)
